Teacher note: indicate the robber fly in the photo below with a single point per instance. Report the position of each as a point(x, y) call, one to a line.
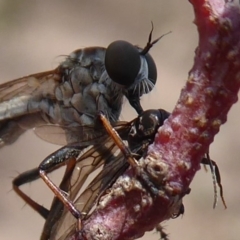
point(88, 81)
point(61, 103)
point(116, 156)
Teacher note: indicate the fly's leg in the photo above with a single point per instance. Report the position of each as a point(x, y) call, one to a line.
point(216, 178)
point(118, 140)
point(56, 160)
point(128, 155)
point(26, 177)
point(57, 206)
point(160, 229)
point(61, 156)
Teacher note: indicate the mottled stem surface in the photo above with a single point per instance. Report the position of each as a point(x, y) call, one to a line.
point(129, 209)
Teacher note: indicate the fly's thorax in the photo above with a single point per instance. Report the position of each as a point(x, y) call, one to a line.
point(85, 89)
point(82, 67)
point(85, 56)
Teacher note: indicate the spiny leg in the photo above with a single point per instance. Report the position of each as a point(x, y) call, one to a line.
point(66, 155)
point(57, 206)
point(26, 177)
point(32, 175)
point(118, 140)
point(216, 178)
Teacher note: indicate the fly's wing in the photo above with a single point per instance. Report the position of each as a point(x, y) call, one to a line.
point(52, 133)
point(107, 153)
point(104, 151)
point(116, 166)
point(110, 172)
point(69, 135)
point(29, 84)
point(62, 136)
point(18, 108)
point(70, 95)
point(16, 94)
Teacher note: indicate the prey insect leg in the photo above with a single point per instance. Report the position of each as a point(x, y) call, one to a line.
point(216, 178)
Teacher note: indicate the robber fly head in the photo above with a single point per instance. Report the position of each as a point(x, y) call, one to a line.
point(131, 66)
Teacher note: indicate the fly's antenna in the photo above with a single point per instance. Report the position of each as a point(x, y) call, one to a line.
point(149, 43)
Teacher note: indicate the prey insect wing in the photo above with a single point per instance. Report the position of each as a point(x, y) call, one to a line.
point(89, 196)
point(107, 154)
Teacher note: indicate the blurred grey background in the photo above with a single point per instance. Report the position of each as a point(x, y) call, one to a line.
point(33, 34)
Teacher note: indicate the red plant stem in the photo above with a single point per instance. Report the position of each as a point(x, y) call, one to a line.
point(210, 91)
point(128, 209)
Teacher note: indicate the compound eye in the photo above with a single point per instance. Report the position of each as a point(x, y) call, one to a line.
point(122, 62)
point(152, 69)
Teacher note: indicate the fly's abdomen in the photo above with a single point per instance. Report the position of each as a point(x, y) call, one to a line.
point(14, 107)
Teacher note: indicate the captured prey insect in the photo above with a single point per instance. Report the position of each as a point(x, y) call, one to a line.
point(138, 134)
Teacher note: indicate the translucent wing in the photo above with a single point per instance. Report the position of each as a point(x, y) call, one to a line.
point(62, 136)
point(40, 83)
point(23, 96)
point(106, 153)
point(19, 103)
point(88, 198)
point(68, 135)
point(52, 133)
point(94, 158)
point(102, 181)
point(138, 134)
